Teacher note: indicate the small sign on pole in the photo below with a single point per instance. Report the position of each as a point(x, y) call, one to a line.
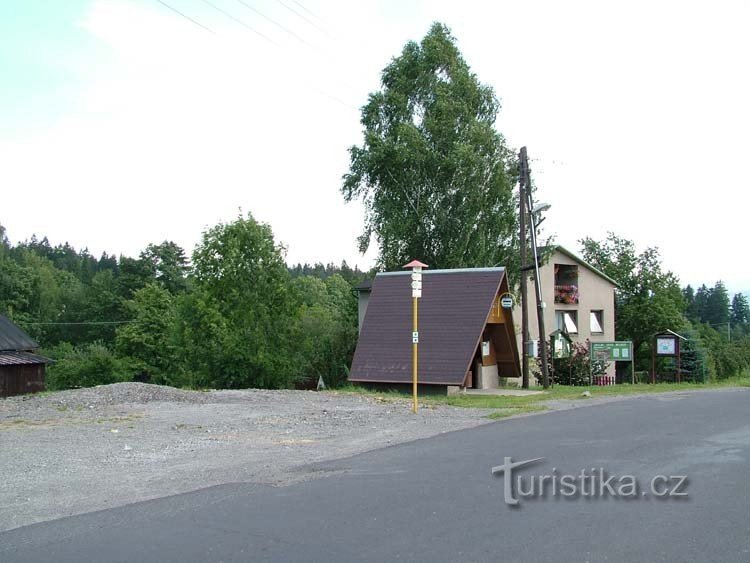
point(507, 302)
point(666, 344)
point(416, 284)
point(415, 337)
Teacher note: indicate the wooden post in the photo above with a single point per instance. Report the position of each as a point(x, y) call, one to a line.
point(653, 361)
point(524, 276)
point(538, 282)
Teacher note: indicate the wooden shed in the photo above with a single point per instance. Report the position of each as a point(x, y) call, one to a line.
point(21, 370)
point(466, 339)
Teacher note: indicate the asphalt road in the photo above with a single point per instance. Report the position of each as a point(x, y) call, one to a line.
point(437, 499)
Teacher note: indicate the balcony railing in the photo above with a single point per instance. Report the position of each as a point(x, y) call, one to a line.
point(567, 294)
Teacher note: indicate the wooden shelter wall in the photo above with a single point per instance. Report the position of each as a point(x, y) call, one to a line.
point(21, 379)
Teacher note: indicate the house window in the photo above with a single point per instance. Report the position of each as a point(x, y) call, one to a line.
point(567, 321)
point(597, 322)
point(566, 284)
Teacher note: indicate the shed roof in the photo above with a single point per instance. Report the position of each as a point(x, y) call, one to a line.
point(13, 338)
point(21, 358)
point(452, 315)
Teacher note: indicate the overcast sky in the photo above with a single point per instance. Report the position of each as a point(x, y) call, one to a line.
point(123, 123)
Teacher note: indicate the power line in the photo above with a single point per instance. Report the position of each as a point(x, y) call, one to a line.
point(78, 323)
point(274, 22)
point(304, 17)
point(305, 9)
point(227, 14)
point(237, 20)
point(175, 10)
point(331, 96)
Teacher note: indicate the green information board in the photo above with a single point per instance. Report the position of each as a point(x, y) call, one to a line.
point(619, 351)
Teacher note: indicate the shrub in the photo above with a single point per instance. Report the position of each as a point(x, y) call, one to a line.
point(86, 366)
point(577, 369)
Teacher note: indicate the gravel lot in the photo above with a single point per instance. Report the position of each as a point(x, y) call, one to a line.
point(76, 451)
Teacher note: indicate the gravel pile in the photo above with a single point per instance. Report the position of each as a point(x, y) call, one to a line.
point(87, 449)
point(50, 405)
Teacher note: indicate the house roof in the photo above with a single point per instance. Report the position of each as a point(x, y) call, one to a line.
point(452, 315)
point(21, 358)
point(543, 250)
point(13, 338)
point(670, 333)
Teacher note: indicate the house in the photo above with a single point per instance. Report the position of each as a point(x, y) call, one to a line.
point(579, 299)
point(21, 371)
point(466, 338)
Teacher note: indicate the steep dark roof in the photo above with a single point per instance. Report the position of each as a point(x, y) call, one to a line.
point(452, 314)
point(13, 338)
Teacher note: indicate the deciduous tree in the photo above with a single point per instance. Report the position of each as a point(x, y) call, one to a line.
point(237, 323)
point(649, 299)
point(148, 337)
point(435, 177)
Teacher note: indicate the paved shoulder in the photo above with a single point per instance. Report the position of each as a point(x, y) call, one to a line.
point(437, 499)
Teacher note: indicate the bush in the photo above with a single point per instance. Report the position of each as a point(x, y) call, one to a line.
point(724, 359)
point(577, 369)
point(86, 366)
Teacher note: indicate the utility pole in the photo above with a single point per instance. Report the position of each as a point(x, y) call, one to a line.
point(537, 279)
point(523, 179)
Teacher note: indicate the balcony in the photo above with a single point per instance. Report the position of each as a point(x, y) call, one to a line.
point(566, 294)
point(566, 284)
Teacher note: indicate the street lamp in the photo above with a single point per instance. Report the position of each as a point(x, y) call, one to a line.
point(538, 210)
point(533, 217)
point(527, 203)
point(416, 292)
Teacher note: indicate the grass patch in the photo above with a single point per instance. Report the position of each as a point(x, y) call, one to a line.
point(512, 411)
point(508, 405)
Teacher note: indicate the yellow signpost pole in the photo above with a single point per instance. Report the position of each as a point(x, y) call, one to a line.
point(415, 352)
point(416, 292)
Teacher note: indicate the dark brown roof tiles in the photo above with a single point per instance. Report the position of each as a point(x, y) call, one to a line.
point(453, 311)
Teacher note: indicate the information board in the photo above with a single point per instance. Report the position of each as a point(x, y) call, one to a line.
point(617, 351)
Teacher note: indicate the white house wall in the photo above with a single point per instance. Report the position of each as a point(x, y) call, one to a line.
point(595, 293)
